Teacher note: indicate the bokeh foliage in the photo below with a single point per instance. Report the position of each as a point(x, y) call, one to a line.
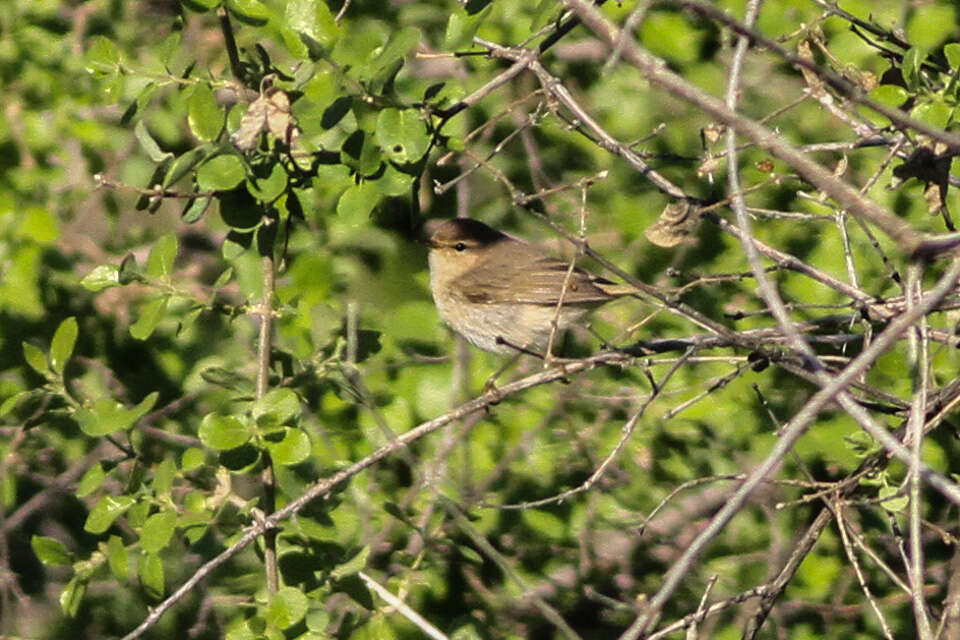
point(148, 180)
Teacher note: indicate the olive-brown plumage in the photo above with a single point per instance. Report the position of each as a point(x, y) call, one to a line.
point(500, 292)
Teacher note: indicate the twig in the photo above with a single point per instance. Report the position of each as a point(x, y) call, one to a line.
point(910, 241)
point(701, 608)
point(861, 579)
point(403, 608)
point(231, 44)
point(268, 477)
point(627, 431)
point(343, 11)
point(324, 488)
point(831, 391)
point(840, 84)
point(919, 352)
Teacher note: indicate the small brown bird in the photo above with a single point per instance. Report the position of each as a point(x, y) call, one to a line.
point(501, 293)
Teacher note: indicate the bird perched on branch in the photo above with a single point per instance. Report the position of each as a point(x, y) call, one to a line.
point(502, 293)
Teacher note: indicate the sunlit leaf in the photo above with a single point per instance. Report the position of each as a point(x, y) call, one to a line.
point(223, 432)
point(157, 531)
point(101, 277)
point(221, 173)
point(204, 116)
point(50, 551)
point(152, 575)
point(402, 135)
point(287, 607)
point(108, 509)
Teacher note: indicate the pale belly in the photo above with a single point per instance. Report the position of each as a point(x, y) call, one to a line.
point(499, 328)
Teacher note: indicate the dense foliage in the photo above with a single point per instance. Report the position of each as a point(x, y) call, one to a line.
point(228, 407)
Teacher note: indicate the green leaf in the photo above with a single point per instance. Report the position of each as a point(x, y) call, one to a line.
point(672, 36)
point(182, 165)
point(361, 153)
point(61, 347)
point(50, 551)
point(150, 316)
point(461, 27)
point(235, 244)
point(203, 115)
point(10, 403)
point(118, 558)
point(91, 480)
point(887, 94)
point(287, 607)
point(102, 277)
point(102, 57)
point(194, 209)
point(194, 524)
point(937, 114)
point(470, 555)
point(106, 415)
point(149, 145)
point(270, 188)
point(394, 182)
point(890, 95)
point(105, 512)
point(162, 256)
point(129, 271)
point(228, 379)
point(952, 53)
point(157, 531)
point(293, 449)
point(221, 173)
point(223, 432)
point(192, 458)
point(223, 279)
point(188, 320)
point(312, 20)
point(163, 477)
point(72, 596)
point(353, 565)
point(400, 44)
point(249, 11)
point(277, 406)
point(545, 524)
point(139, 512)
point(151, 575)
point(318, 619)
point(929, 24)
point(36, 358)
point(890, 501)
point(390, 60)
point(139, 104)
point(357, 203)
point(402, 135)
point(912, 63)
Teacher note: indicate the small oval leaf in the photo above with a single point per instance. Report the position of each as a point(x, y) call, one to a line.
point(223, 432)
point(157, 531)
point(221, 173)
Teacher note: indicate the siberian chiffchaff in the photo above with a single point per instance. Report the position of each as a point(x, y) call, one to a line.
point(501, 293)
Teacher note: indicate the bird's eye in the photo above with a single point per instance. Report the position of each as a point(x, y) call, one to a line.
point(459, 246)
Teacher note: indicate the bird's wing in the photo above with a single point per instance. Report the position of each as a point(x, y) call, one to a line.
point(531, 279)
